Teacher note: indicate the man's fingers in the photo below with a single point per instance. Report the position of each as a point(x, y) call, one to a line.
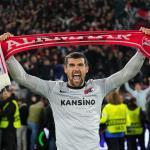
point(5, 36)
point(145, 30)
point(141, 28)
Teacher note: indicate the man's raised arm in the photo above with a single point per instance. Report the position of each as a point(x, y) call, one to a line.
point(17, 72)
point(127, 73)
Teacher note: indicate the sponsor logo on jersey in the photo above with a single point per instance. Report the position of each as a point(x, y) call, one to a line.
point(78, 102)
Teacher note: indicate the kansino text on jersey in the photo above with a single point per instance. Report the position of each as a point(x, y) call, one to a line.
point(77, 102)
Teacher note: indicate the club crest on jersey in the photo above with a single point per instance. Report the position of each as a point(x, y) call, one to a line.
point(89, 90)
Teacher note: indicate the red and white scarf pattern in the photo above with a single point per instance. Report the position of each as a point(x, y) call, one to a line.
point(16, 44)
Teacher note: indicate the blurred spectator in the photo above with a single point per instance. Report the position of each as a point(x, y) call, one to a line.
point(46, 136)
point(10, 121)
point(46, 70)
point(34, 121)
point(114, 115)
point(22, 132)
point(136, 130)
point(139, 94)
point(50, 125)
point(141, 98)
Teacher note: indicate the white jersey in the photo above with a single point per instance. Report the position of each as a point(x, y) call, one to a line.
point(76, 114)
point(76, 111)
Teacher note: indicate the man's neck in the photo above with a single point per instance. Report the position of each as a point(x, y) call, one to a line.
point(76, 87)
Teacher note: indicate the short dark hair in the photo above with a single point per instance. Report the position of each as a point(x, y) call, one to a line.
point(76, 55)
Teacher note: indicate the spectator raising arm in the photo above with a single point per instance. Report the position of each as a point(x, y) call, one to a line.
point(128, 88)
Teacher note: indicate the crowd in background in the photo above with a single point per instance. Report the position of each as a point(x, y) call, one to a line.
point(21, 17)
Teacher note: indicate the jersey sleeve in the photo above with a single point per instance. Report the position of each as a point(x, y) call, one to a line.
point(127, 73)
point(35, 84)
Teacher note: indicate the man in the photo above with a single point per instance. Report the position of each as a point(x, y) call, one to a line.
point(10, 120)
point(139, 94)
point(76, 104)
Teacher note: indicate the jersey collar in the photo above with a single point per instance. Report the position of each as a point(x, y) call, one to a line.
point(80, 87)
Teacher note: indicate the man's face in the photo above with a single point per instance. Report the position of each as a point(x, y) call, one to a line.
point(76, 70)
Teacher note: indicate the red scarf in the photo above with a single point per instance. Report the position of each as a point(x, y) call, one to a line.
point(128, 38)
point(18, 44)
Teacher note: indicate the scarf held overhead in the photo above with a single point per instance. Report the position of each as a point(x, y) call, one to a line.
point(130, 38)
point(16, 44)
